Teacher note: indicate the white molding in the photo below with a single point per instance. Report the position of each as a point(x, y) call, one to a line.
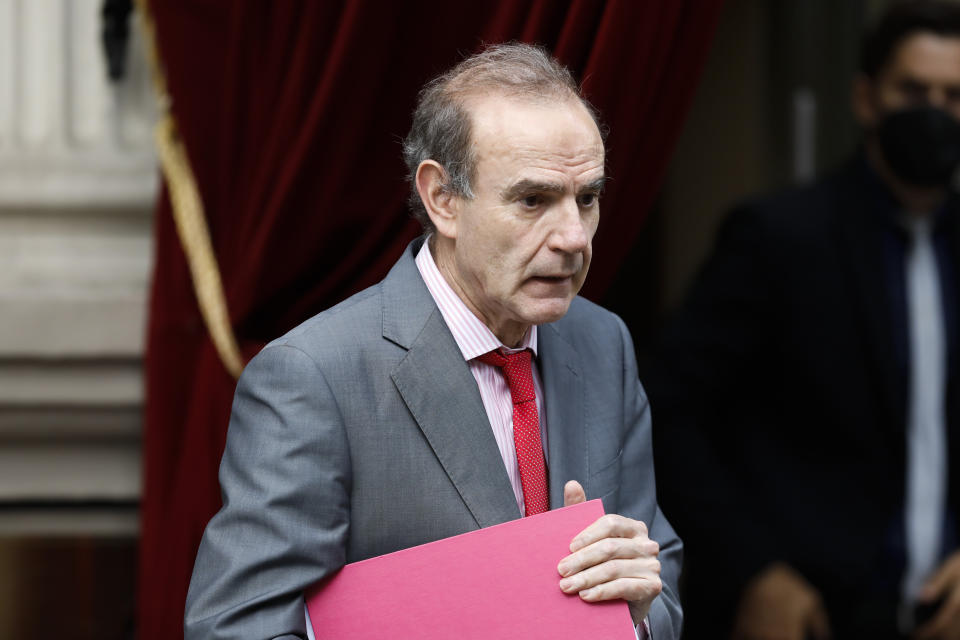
point(73, 471)
point(117, 423)
point(94, 383)
point(112, 327)
point(70, 522)
point(73, 283)
point(83, 180)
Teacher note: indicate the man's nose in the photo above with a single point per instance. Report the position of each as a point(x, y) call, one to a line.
point(944, 100)
point(570, 234)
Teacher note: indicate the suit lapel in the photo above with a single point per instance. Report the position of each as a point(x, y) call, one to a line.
point(953, 368)
point(861, 235)
point(566, 422)
point(442, 395)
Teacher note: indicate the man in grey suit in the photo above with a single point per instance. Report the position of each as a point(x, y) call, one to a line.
point(378, 424)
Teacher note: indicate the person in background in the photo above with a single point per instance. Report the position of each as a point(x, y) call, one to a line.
point(470, 387)
point(807, 394)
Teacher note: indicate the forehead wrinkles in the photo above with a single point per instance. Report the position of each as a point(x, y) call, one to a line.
point(535, 156)
point(512, 180)
point(563, 170)
point(502, 156)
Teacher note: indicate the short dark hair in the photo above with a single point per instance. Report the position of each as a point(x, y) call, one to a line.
point(903, 19)
point(441, 128)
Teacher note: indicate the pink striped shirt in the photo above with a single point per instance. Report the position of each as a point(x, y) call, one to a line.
point(475, 339)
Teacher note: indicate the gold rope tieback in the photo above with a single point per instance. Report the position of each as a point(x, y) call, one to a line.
point(189, 217)
point(195, 238)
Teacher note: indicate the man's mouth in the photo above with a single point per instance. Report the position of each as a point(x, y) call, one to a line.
point(553, 279)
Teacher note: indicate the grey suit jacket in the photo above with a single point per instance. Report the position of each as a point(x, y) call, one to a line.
point(362, 432)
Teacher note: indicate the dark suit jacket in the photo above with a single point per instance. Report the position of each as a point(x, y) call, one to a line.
point(362, 432)
point(779, 406)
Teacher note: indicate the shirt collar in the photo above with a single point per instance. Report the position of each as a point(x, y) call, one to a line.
point(472, 336)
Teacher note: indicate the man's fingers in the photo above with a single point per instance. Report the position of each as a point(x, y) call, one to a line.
point(781, 631)
point(573, 493)
point(820, 623)
point(779, 604)
point(946, 622)
point(608, 526)
point(608, 549)
point(947, 575)
point(613, 558)
point(936, 585)
point(611, 571)
point(934, 629)
point(945, 584)
point(642, 589)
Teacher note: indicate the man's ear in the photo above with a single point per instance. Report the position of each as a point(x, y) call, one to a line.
point(862, 101)
point(432, 184)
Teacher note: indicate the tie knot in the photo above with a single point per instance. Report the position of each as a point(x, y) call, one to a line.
point(517, 370)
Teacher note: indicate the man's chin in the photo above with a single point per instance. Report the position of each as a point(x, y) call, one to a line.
point(546, 311)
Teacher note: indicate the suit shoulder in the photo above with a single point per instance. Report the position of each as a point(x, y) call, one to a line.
point(795, 210)
point(358, 319)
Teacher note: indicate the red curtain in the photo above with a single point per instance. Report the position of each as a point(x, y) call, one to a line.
point(291, 113)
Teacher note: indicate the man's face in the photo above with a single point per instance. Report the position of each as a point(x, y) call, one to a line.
point(522, 245)
point(923, 71)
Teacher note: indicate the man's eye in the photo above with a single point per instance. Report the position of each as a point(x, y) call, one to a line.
point(530, 201)
point(588, 199)
point(914, 92)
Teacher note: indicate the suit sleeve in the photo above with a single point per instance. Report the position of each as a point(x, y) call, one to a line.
point(704, 367)
point(285, 479)
point(638, 497)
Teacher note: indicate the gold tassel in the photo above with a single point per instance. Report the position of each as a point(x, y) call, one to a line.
point(188, 215)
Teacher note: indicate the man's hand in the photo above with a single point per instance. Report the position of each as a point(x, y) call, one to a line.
point(612, 558)
point(778, 603)
point(944, 585)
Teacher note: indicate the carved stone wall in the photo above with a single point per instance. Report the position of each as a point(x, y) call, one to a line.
point(78, 179)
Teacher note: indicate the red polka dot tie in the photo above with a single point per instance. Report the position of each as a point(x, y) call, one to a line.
point(526, 427)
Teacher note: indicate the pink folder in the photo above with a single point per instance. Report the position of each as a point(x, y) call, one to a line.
point(499, 582)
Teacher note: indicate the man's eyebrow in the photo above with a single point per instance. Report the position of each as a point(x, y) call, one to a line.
point(595, 187)
point(524, 187)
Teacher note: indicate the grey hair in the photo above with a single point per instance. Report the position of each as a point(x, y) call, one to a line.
point(441, 128)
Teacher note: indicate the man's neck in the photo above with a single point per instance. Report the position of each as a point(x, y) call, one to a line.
point(919, 201)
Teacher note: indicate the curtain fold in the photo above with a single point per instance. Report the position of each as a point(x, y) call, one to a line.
point(292, 114)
